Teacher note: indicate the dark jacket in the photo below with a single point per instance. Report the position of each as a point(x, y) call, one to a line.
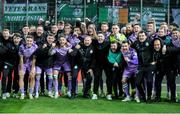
point(40, 40)
point(12, 54)
point(165, 62)
point(4, 45)
point(101, 53)
point(86, 57)
point(43, 58)
point(144, 51)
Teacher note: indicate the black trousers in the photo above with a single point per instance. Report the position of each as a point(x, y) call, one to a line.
point(43, 87)
point(145, 73)
point(16, 79)
point(60, 81)
point(114, 81)
point(7, 78)
point(87, 80)
point(26, 81)
point(75, 71)
point(98, 78)
point(171, 79)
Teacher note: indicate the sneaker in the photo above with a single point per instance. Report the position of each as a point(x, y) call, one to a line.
point(153, 96)
point(109, 97)
point(128, 98)
point(22, 96)
point(4, 96)
point(30, 96)
point(69, 94)
point(8, 95)
point(137, 99)
point(94, 97)
point(50, 94)
point(56, 95)
point(37, 95)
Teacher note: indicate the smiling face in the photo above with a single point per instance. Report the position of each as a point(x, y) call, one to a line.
point(161, 32)
point(125, 47)
point(137, 28)
point(6, 34)
point(87, 41)
point(150, 27)
point(16, 40)
point(67, 29)
point(104, 28)
point(175, 34)
point(25, 30)
point(39, 31)
point(54, 29)
point(157, 45)
point(50, 39)
point(114, 47)
point(29, 41)
point(101, 38)
point(62, 41)
point(142, 37)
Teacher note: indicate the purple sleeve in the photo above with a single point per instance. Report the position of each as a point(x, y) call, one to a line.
point(53, 51)
point(134, 58)
point(69, 46)
point(21, 48)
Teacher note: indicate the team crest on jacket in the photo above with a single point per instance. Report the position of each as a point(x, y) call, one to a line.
point(91, 51)
point(147, 44)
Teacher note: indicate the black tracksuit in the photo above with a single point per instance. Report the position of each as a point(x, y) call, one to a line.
point(75, 65)
point(40, 40)
point(165, 66)
point(10, 62)
point(87, 61)
point(101, 53)
point(145, 69)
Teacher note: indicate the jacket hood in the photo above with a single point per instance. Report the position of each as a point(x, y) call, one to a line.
point(161, 41)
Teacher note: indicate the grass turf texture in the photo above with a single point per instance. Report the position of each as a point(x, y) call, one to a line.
point(82, 105)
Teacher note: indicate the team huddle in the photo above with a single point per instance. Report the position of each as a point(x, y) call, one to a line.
point(134, 61)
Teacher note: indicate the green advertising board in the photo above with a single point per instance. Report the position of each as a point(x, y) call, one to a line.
point(18, 12)
point(158, 13)
point(69, 13)
point(109, 14)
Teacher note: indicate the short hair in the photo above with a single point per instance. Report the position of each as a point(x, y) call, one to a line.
point(25, 26)
point(4, 30)
point(129, 24)
point(125, 41)
point(16, 35)
point(141, 32)
point(51, 34)
point(30, 36)
point(175, 29)
point(136, 24)
point(105, 23)
point(53, 24)
point(61, 22)
point(150, 22)
point(68, 24)
point(114, 42)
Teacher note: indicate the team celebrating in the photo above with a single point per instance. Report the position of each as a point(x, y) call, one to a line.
point(38, 60)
